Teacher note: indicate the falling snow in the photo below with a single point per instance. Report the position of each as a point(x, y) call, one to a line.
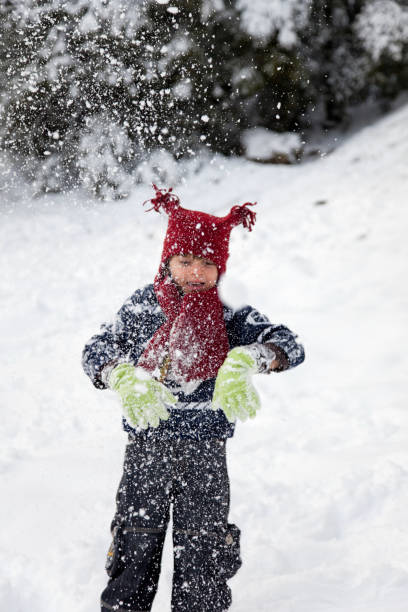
point(99, 100)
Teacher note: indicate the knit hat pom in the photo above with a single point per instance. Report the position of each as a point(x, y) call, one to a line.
point(164, 200)
point(242, 215)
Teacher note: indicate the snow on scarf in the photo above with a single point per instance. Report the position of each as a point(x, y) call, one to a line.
point(193, 338)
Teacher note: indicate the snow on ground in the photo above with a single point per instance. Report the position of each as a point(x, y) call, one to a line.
point(319, 479)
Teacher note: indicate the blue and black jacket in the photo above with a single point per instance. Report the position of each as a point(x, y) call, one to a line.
point(192, 417)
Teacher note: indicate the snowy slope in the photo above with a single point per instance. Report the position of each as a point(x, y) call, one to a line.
point(319, 479)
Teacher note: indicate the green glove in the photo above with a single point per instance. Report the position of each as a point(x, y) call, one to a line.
point(143, 398)
point(234, 392)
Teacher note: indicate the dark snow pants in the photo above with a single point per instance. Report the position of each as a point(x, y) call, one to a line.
point(193, 477)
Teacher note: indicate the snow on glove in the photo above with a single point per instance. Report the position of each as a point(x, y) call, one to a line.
point(143, 398)
point(234, 392)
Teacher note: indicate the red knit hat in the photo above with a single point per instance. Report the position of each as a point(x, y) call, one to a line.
point(198, 233)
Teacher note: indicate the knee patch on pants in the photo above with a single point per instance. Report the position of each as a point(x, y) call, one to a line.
point(227, 552)
point(130, 545)
point(219, 550)
point(115, 557)
point(203, 564)
point(133, 565)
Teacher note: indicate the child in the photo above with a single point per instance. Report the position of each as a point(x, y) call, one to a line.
point(181, 362)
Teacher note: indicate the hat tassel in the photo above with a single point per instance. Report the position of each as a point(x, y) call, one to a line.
point(242, 215)
point(164, 200)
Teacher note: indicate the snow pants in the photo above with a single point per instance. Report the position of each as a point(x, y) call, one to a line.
point(192, 476)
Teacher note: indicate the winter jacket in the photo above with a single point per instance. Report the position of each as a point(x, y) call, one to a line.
point(126, 338)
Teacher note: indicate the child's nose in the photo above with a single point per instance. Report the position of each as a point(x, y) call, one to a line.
point(197, 270)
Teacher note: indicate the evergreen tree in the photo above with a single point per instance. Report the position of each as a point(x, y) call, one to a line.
point(90, 89)
point(382, 29)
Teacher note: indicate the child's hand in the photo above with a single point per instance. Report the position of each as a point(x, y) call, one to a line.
point(234, 392)
point(143, 398)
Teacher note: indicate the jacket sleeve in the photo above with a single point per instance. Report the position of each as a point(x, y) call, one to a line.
point(250, 326)
point(121, 340)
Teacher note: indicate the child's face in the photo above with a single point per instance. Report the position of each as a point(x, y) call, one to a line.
point(192, 273)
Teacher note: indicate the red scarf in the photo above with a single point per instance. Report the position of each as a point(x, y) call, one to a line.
point(193, 338)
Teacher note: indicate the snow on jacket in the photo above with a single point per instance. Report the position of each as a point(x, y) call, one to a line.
point(125, 339)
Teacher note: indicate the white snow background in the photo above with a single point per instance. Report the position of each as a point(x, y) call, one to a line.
point(319, 478)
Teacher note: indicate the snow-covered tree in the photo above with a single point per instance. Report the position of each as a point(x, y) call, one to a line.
point(72, 61)
point(83, 80)
point(104, 149)
point(280, 19)
point(382, 28)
